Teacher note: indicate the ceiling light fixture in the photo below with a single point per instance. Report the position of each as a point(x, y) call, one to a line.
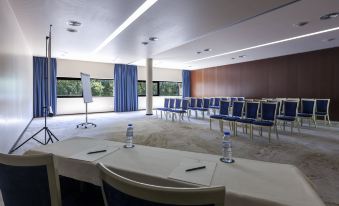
point(266, 44)
point(207, 50)
point(142, 9)
point(71, 30)
point(242, 56)
point(198, 52)
point(153, 38)
point(300, 24)
point(73, 23)
point(329, 16)
point(144, 42)
point(328, 40)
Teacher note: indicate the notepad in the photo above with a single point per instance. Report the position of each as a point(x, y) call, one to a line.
point(83, 155)
point(200, 177)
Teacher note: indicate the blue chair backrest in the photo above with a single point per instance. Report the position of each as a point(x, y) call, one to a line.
point(322, 105)
point(184, 104)
point(192, 102)
point(224, 106)
point(206, 103)
point(238, 108)
point(252, 110)
point(166, 103)
point(171, 103)
point(307, 106)
point(24, 185)
point(233, 99)
point(268, 111)
point(290, 108)
point(217, 102)
point(241, 98)
point(177, 103)
point(199, 102)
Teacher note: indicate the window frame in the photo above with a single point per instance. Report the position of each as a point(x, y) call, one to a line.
point(158, 88)
point(82, 95)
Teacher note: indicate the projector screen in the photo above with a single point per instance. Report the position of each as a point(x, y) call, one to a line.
point(86, 87)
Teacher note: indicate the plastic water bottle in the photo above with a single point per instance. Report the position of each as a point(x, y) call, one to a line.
point(129, 136)
point(227, 148)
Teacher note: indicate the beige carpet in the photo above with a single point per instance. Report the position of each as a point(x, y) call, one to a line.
point(315, 152)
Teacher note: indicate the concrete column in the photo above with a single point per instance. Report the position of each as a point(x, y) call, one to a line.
point(149, 86)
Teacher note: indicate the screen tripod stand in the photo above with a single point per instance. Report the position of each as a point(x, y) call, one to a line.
point(48, 135)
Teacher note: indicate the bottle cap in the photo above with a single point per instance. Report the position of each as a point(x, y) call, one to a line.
point(227, 133)
point(130, 125)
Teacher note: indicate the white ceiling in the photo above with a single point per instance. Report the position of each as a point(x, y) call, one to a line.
point(182, 26)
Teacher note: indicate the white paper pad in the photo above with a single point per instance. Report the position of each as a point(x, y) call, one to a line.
point(93, 157)
point(201, 176)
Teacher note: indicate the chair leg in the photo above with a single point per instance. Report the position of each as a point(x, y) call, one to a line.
point(314, 121)
point(328, 120)
point(203, 115)
point(235, 126)
point(251, 132)
point(173, 116)
point(260, 131)
point(221, 124)
point(299, 125)
point(284, 125)
point(276, 132)
point(210, 124)
point(292, 125)
point(269, 134)
point(246, 128)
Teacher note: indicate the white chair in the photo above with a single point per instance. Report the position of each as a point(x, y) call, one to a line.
point(129, 192)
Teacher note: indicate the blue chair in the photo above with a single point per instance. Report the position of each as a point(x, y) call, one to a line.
point(170, 106)
point(204, 108)
point(323, 109)
point(215, 104)
point(121, 191)
point(237, 113)
point(233, 99)
point(191, 105)
point(290, 111)
point(223, 112)
point(180, 111)
point(307, 111)
point(268, 119)
point(165, 108)
point(251, 115)
point(241, 98)
point(198, 104)
point(29, 180)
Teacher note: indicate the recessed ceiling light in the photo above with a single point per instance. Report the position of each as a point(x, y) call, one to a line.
point(233, 58)
point(300, 24)
point(144, 42)
point(198, 52)
point(207, 50)
point(267, 44)
point(142, 9)
point(73, 23)
point(328, 40)
point(153, 38)
point(242, 56)
point(330, 16)
point(71, 30)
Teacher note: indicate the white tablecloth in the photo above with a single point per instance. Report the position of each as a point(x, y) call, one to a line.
point(247, 182)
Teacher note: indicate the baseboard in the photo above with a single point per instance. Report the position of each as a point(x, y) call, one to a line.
point(20, 136)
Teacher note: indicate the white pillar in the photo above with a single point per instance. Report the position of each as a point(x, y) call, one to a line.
point(149, 86)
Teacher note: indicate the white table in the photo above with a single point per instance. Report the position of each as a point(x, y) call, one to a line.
point(247, 182)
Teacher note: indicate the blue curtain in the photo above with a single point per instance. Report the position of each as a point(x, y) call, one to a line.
point(186, 83)
point(39, 74)
point(125, 88)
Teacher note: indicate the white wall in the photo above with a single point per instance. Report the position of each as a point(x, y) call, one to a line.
point(16, 79)
point(72, 68)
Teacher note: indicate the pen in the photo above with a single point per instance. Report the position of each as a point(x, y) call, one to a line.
point(99, 151)
point(196, 168)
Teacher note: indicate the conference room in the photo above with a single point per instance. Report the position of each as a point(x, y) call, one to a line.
point(169, 103)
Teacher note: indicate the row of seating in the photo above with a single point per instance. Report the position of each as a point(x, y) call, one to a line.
point(33, 181)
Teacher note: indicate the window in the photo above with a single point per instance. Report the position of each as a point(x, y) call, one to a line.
point(71, 87)
point(161, 88)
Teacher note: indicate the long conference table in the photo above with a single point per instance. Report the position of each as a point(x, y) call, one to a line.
point(247, 182)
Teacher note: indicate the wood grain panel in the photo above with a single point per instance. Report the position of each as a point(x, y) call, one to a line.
point(308, 75)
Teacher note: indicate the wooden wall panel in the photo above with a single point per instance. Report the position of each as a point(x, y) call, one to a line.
point(308, 75)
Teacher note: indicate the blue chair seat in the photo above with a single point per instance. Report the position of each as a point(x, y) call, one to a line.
point(321, 113)
point(245, 120)
point(214, 107)
point(217, 116)
point(304, 115)
point(163, 109)
point(179, 111)
point(201, 109)
point(286, 118)
point(263, 123)
point(230, 118)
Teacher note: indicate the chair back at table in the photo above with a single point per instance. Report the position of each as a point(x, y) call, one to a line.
point(126, 192)
point(206, 103)
point(322, 106)
point(252, 109)
point(199, 102)
point(177, 103)
point(233, 99)
point(166, 103)
point(268, 111)
point(308, 106)
point(192, 102)
point(184, 104)
point(171, 103)
point(290, 108)
point(238, 108)
point(241, 98)
point(224, 107)
point(278, 109)
point(216, 102)
point(29, 180)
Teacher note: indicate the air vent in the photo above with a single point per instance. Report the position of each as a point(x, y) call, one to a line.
point(72, 30)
